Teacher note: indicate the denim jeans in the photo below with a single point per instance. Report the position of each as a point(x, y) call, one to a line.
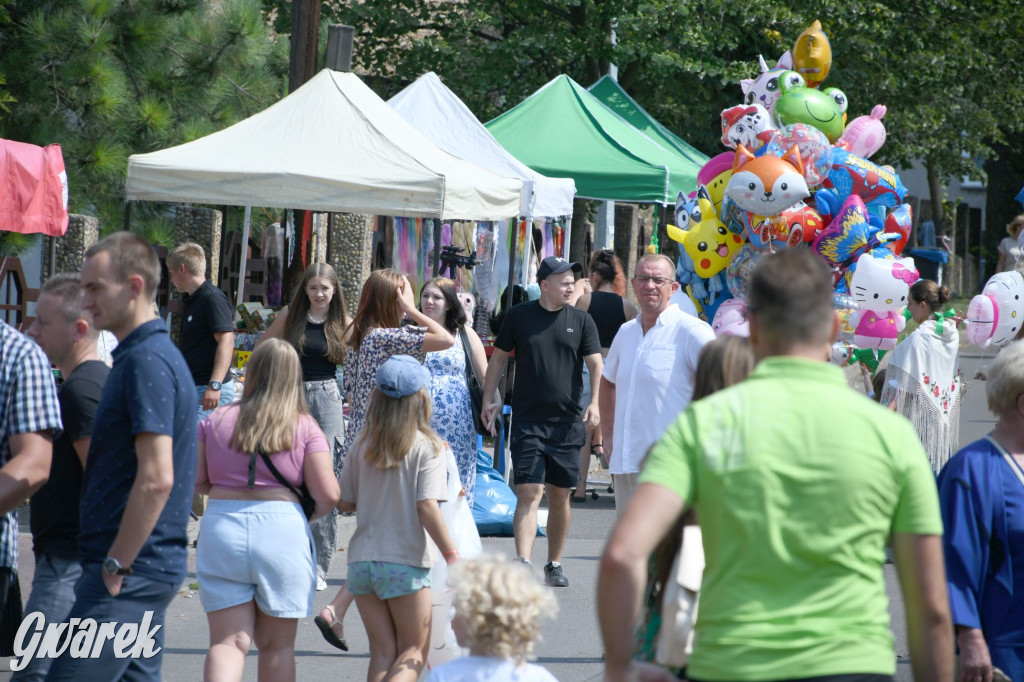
point(53, 594)
point(138, 595)
point(324, 400)
point(227, 396)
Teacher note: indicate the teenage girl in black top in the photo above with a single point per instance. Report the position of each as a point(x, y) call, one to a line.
point(602, 295)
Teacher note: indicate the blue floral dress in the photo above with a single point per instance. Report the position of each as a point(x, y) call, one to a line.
point(453, 414)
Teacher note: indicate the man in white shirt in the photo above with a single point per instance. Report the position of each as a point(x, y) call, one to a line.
point(648, 375)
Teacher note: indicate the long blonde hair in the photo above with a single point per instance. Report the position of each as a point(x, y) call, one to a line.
point(392, 425)
point(272, 401)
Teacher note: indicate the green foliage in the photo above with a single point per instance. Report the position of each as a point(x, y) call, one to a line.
point(109, 78)
point(13, 244)
point(946, 71)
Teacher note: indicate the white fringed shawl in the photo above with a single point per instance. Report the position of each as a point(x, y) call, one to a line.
point(925, 381)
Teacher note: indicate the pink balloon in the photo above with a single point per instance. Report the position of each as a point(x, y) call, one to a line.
point(866, 134)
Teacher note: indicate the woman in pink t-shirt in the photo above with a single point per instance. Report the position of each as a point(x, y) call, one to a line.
point(255, 561)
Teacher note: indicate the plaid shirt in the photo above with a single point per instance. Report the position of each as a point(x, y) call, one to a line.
point(28, 402)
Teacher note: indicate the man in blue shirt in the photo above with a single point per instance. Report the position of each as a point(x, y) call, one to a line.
point(140, 471)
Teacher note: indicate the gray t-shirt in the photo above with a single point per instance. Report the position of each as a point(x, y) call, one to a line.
point(388, 527)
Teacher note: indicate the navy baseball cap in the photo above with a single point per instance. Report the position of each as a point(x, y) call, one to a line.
point(553, 265)
point(402, 375)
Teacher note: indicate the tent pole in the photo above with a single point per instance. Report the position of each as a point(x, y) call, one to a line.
point(437, 247)
point(127, 216)
point(242, 256)
point(565, 237)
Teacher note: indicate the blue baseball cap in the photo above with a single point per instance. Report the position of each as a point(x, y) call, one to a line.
point(402, 375)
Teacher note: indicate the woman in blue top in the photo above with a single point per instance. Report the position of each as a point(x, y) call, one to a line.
point(981, 492)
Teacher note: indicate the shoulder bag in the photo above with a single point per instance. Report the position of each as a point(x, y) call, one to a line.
point(476, 390)
point(680, 596)
point(302, 492)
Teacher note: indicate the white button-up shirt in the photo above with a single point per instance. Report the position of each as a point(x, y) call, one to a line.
point(653, 375)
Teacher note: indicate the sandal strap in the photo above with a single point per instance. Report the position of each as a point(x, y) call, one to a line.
point(334, 616)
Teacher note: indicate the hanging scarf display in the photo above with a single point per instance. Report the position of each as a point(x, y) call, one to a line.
point(412, 249)
point(485, 286)
point(925, 383)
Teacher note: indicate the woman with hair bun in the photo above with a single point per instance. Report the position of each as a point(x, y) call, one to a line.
point(1009, 249)
point(923, 381)
point(601, 295)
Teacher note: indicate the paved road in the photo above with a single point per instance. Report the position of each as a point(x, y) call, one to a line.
point(571, 648)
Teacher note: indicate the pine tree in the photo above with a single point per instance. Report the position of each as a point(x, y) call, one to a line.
point(109, 78)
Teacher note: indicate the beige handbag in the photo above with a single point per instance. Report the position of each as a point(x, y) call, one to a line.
point(679, 602)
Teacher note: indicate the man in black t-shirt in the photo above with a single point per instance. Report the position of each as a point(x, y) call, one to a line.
point(551, 340)
point(69, 340)
point(207, 336)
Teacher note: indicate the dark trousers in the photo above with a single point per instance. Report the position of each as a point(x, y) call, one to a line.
point(138, 595)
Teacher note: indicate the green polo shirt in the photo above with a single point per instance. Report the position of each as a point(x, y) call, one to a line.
point(798, 482)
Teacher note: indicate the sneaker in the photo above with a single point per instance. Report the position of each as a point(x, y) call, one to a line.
point(522, 560)
point(321, 584)
point(553, 575)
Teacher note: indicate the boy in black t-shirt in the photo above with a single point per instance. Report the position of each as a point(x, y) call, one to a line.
point(551, 340)
point(207, 336)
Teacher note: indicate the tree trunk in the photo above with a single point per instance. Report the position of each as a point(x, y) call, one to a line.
point(936, 190)
point(302, 66)
point(580, 211)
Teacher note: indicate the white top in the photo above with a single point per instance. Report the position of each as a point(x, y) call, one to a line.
point(653, 375)
point(1011, 251)
point(483, 669)
point(684, 302)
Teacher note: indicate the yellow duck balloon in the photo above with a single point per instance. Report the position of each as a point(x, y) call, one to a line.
point(812, 55)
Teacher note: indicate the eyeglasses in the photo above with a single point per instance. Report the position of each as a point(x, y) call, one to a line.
point(658, 281)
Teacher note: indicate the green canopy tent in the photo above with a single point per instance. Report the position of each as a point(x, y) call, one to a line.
point(564, 131)
point(619, 101)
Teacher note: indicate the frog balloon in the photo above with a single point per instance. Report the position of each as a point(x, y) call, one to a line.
point(822, 109)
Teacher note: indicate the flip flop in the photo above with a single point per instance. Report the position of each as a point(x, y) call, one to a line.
point(327, 632)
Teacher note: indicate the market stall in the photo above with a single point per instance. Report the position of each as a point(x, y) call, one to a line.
point(564, 130)
point(546, 203)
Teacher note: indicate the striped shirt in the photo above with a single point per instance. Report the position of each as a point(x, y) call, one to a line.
point(28, 403)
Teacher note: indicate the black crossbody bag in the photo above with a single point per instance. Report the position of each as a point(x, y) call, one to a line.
point(302, 492)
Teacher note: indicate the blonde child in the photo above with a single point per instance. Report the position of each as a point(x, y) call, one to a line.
point(498, 607)
point(393, 478)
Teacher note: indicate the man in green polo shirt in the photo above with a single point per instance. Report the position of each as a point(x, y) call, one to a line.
point(799, 483)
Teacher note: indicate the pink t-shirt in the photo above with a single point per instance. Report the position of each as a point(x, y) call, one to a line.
point(226, 467)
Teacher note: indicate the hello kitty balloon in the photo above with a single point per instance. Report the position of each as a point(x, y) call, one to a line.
point(994, 316)
point(881, 288)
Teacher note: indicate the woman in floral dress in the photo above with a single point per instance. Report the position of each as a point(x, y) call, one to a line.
point(453, 414)
point(374, 335)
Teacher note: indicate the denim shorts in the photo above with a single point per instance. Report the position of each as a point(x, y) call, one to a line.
point(258, 550)
point(386, 580)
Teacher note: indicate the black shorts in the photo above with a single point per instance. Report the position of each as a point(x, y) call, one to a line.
point(547, 452)
point(856, 677)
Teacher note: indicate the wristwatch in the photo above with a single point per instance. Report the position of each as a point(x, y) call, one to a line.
point(112, 566)
point(214, 385)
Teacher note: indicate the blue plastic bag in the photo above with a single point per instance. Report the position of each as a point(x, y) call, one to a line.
point(494, 503)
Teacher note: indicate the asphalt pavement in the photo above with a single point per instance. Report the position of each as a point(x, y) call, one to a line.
point(571, 647)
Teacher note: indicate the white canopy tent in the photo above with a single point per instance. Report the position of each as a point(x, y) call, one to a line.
point(437, 112)
point(332, 145)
